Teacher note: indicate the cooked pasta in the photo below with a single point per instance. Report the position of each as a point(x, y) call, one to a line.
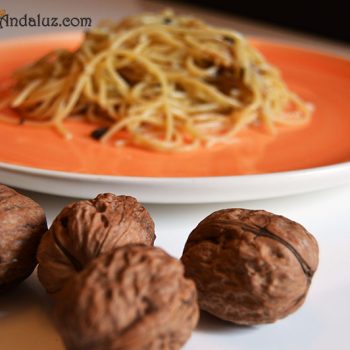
point(159, 81)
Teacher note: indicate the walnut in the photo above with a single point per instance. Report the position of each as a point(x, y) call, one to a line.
point(22, 223)
point(135, 297)
point(250, 266)
point(85, 229)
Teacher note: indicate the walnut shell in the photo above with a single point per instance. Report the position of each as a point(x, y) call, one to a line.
point(250, 266)
point(135, 297)
point(85, 229)
point(22, 224)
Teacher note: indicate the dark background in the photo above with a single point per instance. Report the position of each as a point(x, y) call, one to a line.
point(329, 19)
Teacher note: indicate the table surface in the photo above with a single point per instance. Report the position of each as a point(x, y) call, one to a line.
point(322, 323)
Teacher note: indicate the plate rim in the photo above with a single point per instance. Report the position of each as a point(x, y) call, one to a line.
point(199, 190)
point(100, 177)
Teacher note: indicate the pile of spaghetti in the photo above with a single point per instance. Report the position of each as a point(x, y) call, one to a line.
point(159, 81)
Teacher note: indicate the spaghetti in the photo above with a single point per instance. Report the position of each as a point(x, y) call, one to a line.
point(159, 81)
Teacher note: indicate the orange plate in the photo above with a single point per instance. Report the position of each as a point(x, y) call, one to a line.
point(319, 78)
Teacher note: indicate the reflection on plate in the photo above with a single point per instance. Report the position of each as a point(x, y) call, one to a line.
point(301, 159)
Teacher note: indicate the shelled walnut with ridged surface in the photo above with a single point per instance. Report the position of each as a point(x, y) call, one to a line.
point(22, 224)
point(135, 297)
point(86, 229)
point(250, 266)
